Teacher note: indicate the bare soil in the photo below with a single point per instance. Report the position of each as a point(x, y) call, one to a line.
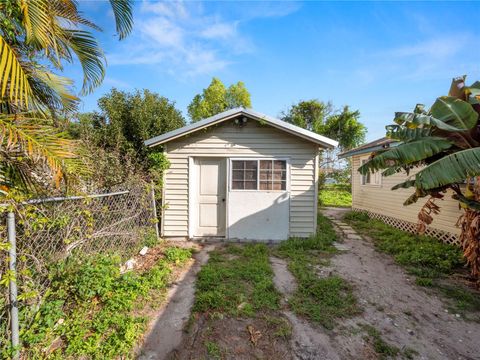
point(406, 315)
point(235, 338)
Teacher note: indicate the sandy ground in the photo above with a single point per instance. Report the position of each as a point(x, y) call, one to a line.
point(405, 314)
point(166, 330)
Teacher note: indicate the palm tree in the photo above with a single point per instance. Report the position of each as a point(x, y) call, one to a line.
point(34, 34)
point(444, 144)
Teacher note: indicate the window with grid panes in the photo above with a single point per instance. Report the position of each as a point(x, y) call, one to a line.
point(244, 174)
point(273, 175)
point(259, 175)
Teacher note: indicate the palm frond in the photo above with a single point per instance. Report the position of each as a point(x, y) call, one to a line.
point(39, 142)
point(407, 153)
point(13, 77)
point(122, 10)
point(90, 56)
point(453, 168)
point(53, 90)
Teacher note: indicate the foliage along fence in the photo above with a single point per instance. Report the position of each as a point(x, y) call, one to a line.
point(51, 230)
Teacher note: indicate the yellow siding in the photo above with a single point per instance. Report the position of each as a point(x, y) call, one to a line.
point(382, 200)
point(227, 140)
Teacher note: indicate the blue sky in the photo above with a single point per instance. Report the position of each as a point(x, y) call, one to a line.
point(377, 57)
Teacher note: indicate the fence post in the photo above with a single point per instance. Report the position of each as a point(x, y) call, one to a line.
point(154, 209)
point(13, 283)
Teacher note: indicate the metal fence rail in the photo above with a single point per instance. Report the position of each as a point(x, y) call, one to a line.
point(46, 231)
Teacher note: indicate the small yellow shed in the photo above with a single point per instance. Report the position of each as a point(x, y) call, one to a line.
point(372, 194)
point(240, 175)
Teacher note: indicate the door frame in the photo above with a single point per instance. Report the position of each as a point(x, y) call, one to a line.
point(192, 193)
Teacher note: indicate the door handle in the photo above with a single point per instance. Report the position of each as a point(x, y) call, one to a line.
point(223, 200)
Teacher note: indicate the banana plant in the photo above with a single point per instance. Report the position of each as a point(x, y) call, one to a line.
point(443, 144)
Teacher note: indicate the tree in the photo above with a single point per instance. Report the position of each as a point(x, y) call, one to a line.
point(119, 130)
point(216, 98)
point(321, 118)
point(443, 143)
point(36, 36)
point(345, 127)
point(308, 114)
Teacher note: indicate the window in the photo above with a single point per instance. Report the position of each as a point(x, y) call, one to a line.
point(259, 175)
point(273, 175)
point(244, 174)
point(371, 178)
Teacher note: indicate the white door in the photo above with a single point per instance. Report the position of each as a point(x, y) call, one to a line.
point(210, 196)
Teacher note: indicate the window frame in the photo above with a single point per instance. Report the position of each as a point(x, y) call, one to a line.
point(257, 159)
point(376, 174)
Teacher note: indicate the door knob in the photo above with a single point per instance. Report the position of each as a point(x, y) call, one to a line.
point(223, 200)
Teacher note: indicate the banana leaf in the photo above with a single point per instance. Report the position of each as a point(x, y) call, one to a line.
point(407, 153)
point(453, 168)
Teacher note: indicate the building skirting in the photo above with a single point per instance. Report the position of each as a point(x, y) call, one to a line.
point(411, 227)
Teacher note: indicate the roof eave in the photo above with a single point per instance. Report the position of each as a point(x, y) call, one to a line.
point(292, 129)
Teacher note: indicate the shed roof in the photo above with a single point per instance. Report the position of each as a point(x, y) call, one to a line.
point(233, 113)
point(379, 144)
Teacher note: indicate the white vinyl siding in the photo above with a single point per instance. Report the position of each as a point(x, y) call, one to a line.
point(382, 200)
point(253, 140)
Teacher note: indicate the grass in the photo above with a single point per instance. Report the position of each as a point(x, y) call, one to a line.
point(321, 300)
point(237, 281)
point(335, 195)
point(213, 350)
point(428, 259)
point(383, 349)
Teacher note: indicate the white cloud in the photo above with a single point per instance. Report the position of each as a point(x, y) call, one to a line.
point(183, 39)
point(435, 58)
point(219, 31)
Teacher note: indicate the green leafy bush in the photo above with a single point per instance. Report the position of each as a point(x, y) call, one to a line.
point(92, 307)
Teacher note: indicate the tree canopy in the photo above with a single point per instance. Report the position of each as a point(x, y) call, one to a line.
point(126, 120)
point(217, 98)
point(341, 125)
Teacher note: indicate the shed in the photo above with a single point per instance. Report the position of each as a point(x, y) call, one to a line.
point(372, 194)
point(240, 175)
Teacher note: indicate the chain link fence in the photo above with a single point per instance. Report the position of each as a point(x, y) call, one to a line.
point(51, 230)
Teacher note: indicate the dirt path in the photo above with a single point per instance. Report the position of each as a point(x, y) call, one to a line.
point(167, 331)
point(307, 342)
point(405, 315)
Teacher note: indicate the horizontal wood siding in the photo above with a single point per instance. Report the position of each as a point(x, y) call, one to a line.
point(382, 200)
point(227, 140)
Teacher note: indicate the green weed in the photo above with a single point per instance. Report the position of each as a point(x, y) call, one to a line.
point(319, 299)
point(381, 347)
point(92, 308)
point(213, 350)
point(178, 255)
point(237, 280)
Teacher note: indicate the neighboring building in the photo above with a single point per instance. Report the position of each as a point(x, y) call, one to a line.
point(372, 193)
point(240, 175)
